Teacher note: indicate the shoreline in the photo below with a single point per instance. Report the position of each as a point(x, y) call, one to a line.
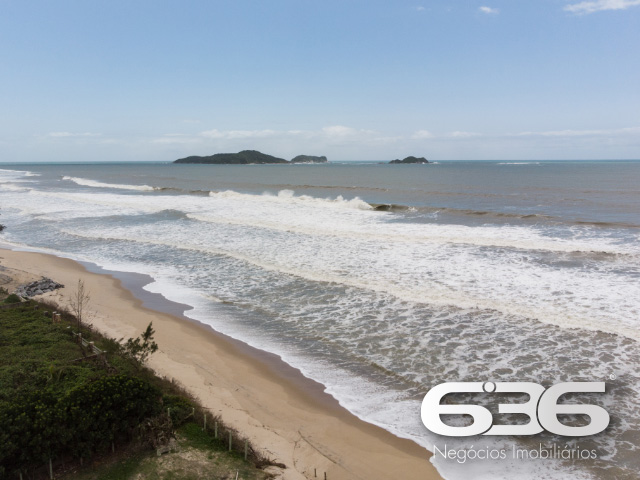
point(287, 415)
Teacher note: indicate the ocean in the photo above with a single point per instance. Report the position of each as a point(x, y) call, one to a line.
point(381, 281)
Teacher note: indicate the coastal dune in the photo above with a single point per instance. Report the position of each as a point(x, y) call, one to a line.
point(286, 415)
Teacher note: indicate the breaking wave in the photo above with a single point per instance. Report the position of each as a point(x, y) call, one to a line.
point(92, 183)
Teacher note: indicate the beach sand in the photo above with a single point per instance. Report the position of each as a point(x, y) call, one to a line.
point(286, 415)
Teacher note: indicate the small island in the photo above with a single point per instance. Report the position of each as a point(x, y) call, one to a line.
point(411, 159)
point(309, 159)
point(248, 157)
point(244, 157)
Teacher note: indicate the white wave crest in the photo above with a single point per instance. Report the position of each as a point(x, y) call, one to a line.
point(350, 219)
point(14, 175)
point(289, 197)
point(92, 183)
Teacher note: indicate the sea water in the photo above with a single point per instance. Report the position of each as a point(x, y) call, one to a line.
point(382, 281)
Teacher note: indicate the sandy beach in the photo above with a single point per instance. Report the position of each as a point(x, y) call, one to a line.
point(286, 415)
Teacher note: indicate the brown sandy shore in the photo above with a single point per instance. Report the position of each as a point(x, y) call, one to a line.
point(285, 414)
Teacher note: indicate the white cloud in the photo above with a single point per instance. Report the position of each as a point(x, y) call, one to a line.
point(422, 134)
point(339, 131)
point(582, 133)
point(600, 5)
point(69, 134)
point(426, 134)
point(489, 10)
point(458, 134)
point(233, 134)
point(420, 9)
point(333, 133)
point(340, 142)
point(176, 139)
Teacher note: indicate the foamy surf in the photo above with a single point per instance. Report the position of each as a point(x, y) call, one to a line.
point(289, 197)
point(92, 183)
point(377, 306)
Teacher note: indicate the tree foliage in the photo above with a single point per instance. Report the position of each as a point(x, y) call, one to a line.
point(141, 347)
point(41, 425)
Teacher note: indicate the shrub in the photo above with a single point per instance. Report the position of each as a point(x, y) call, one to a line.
point(13, 298)
point(36, 427)
point(179, 407)
point(139, 349)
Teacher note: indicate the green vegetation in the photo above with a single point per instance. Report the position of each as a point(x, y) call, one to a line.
point(309, 159)
point(197, 454)
point(242, 158)
point(61, 402)
point(13, 298)
point(140, 348)
point(79, 303)
point(248, 157)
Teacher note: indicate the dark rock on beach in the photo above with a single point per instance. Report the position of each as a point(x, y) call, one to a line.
point(37, 288)
point(411, 159)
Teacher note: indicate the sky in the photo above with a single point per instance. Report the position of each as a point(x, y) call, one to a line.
point(153, 80)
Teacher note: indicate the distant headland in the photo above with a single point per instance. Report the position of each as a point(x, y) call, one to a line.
point(411, 160)
point(247, 157)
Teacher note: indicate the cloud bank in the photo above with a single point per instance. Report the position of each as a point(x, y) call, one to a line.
point(342, 142)
point(600, 5)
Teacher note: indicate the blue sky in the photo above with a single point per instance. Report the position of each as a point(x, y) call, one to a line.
point(353, 80)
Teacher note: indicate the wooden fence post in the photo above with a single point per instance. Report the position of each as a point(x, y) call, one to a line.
point(229, 440)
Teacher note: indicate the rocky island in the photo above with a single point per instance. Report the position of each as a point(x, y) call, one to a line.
point(309, 159)
point(242, 158)
point(247, 157)
point(411, 159)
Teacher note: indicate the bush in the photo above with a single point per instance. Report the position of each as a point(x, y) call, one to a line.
point(139, 349)
point(179, 407)
point(111, 407)
point(40, 426)
point(13, 298)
